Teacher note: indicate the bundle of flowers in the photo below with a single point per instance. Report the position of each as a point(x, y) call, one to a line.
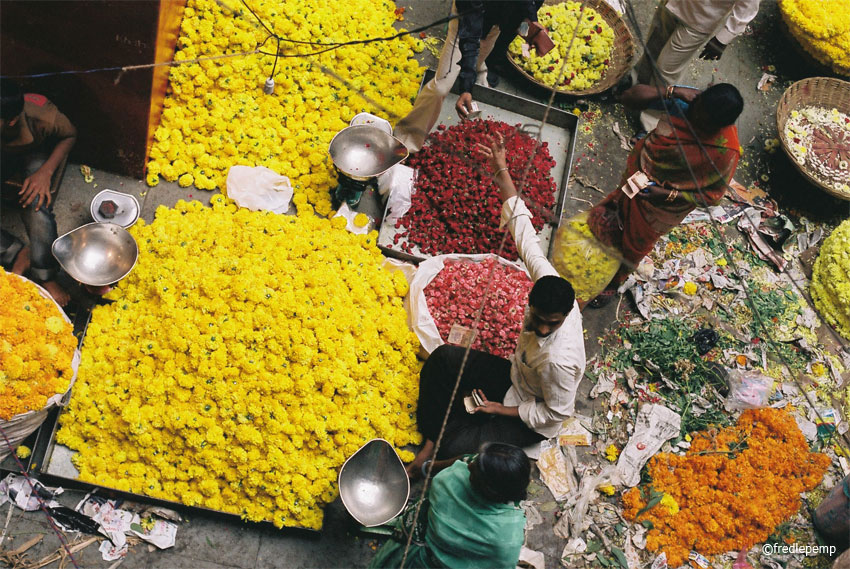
point(456, 293)
point(36, 347)
point(217, 116)
point(590, 54)
point(581, 259)
point(455, 206)
point(242, 361)
point(731, 490)
point(823, 29)
point(819, 140)
point(830, 286)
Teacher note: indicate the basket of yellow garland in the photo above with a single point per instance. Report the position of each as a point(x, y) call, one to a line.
point(813, 119)
point(601, 53)
point(38, 358)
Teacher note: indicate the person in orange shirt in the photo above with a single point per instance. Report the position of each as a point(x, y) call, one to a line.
point(36, 139)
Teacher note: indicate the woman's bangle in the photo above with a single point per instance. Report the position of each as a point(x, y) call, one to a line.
point(669, 94)
point(425, 467)
point(499, 171)
point(672, 196)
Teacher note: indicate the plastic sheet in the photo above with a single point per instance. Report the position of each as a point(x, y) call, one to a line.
point(581, 259)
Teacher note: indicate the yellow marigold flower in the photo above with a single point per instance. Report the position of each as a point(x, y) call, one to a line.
point(36, 347)
point(361, 220)
point(690, 288)
point(248, 355)
point(23, 452)
point(607, 489)
point(612, 453)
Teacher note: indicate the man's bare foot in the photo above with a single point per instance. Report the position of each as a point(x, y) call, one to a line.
point(57, 292)
point(22, 261)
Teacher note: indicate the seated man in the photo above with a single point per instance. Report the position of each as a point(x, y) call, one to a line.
point(36, 140)
point(524, 399)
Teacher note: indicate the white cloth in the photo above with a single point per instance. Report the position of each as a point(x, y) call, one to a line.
point(706, 16)
point(545, 372)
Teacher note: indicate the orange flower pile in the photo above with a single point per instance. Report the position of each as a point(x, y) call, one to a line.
point(36, 348)
point(733, 487)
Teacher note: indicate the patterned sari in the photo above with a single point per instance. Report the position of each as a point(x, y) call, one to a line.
point(632, 226)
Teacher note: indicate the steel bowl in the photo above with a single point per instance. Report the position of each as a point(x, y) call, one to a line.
point(363, 151)
point(373, 484)
point(127, 208)
point(97, 254)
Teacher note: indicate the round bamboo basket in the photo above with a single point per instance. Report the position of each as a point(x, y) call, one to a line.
point(622, 52)
point(824, 92)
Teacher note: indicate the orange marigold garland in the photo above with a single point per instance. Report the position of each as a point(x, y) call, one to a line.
point(733, 487)
point(36, 348)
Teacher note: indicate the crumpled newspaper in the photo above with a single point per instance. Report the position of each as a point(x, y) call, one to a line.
point(654, 425)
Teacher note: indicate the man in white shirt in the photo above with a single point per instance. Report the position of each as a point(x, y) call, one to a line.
point(526, 398)
point(679, 29)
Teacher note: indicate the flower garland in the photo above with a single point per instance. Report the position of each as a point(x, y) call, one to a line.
point(823, 29)
point(450, 302)
point(732, 488)
point(455, 207)
point(36, 348)
point(819, 140)
point(830, 287)
point(217, 115)
point(590, 54)
point(242, 361)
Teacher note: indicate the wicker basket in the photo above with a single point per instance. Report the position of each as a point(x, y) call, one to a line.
point(622, 52)
point(825, 92)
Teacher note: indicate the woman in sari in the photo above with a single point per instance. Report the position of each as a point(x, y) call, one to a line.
point(471, 518)
point(688, 166)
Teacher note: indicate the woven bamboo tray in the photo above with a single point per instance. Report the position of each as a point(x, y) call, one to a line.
point(622, 52)
point(825, 92)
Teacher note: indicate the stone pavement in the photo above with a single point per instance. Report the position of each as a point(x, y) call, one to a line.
point(209, 542)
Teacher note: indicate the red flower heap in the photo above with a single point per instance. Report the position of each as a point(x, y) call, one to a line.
point(456, 207)
point(455, 295)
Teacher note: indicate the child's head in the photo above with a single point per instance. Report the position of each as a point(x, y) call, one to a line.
point(11, 102)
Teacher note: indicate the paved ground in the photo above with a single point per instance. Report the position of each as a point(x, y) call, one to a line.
point(211, 542)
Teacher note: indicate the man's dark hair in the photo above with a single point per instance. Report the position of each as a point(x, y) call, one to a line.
point(501, 473)
point(11, 99)
point(552, 294)
point(722, 104)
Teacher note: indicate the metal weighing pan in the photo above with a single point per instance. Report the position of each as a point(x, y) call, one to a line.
point(559, 132)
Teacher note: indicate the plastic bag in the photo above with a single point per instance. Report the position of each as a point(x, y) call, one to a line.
point(748, 390)
point(258, 188)
point(581, 259)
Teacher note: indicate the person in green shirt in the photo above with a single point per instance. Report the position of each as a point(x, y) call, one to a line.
point(473, 514)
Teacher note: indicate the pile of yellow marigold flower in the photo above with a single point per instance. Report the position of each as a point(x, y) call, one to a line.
point(36, 348)
point(830, 287)
point(732, 488)
point(589, 57)
point(217, 115)
point(242, 361)
point(823, 29)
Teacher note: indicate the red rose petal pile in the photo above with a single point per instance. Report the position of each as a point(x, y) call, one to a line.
point(456, 207)
point(452, 299)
